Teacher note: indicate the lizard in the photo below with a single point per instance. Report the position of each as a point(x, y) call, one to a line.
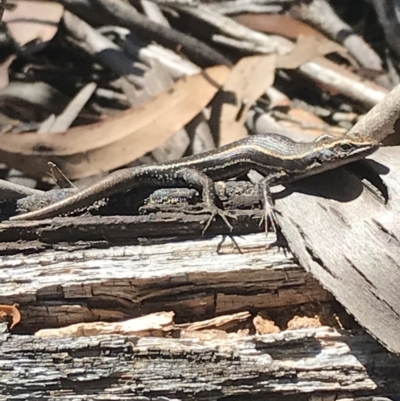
point(280, 159)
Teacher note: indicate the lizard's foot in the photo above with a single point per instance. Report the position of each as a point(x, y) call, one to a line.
point(216, 211)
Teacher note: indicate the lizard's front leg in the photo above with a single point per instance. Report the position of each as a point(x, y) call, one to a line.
point(267, 200)
point(197, 179)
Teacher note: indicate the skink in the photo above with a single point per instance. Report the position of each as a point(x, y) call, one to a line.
point(279, 159)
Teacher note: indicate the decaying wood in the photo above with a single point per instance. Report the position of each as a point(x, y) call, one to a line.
point(196, 279)
point(291, 363)
point(152, 325)
point(335, 264)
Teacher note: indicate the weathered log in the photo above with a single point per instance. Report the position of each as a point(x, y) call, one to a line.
point(280, 366)
point(196, 279)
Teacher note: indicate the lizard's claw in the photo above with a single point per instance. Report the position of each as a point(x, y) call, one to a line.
point(269, 217)
point(216, 211)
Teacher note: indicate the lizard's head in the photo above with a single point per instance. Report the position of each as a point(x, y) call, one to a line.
point(345, 150)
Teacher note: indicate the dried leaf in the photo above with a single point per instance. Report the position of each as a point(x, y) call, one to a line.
point(248, 81)
point(117, 141)
point(307, 49)
point(31, 21)
point(310, 123)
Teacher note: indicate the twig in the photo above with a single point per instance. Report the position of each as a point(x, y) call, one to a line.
point(380, 121)
point(321, 15)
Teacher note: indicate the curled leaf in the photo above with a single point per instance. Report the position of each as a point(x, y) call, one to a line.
point(13, 311)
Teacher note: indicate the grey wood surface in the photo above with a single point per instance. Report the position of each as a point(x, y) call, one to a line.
point(349, 240)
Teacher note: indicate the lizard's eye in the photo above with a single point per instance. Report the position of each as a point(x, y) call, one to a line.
point(346, 147)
